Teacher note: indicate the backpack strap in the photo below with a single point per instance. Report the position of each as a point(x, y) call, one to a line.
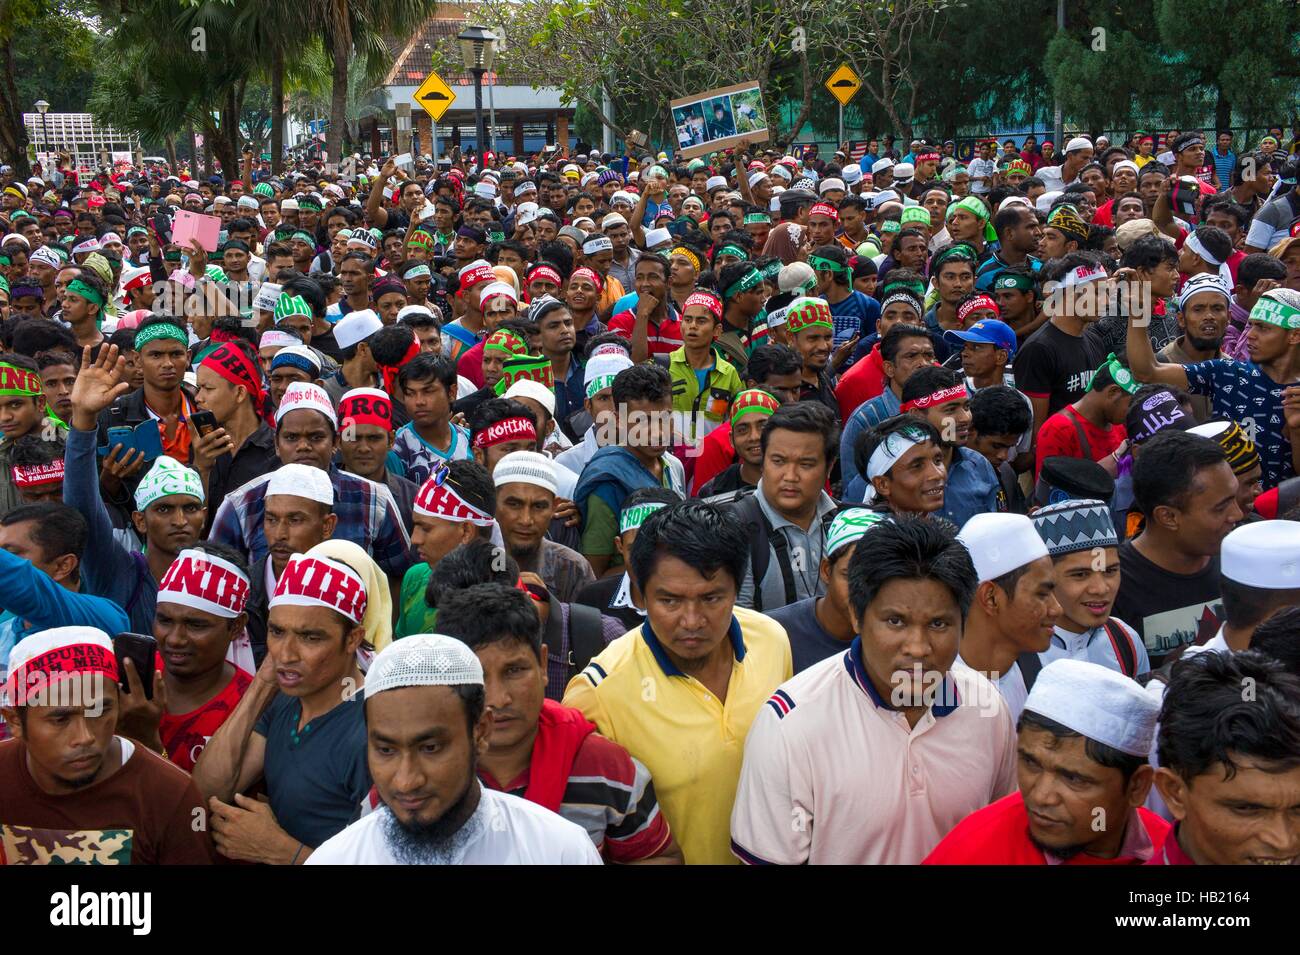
point(1078, 430)
point(1122, 643)
point(1030, 665)
point(751, 516)
point(586, 636)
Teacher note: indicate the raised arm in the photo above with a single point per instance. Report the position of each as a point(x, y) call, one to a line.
point(1142, 359)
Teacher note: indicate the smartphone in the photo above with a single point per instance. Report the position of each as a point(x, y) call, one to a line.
point(205, 422)
point(143, 652)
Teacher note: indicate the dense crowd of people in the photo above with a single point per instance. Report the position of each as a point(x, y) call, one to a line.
point(580, 508)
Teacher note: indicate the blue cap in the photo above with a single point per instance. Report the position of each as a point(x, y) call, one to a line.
point(988, 331)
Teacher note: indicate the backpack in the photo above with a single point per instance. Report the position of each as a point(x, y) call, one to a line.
point(586, 637)
point(763, 540)
point(1120, 641)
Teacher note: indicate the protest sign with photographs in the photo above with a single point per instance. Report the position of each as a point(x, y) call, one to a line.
point(716, 119)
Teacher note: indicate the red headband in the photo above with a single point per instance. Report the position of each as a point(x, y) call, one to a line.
point(34, 475)
point(590, 274)
point(55, 664)
point(976, 304)
point(388, 373)
point(543, 272)
point(928, 157)
point(233, 365)
point(438, 498)
point(367, 406)
point(507, 429)
point(824, 209)
point(476, 276)
point(937, 398)
point(708, 300)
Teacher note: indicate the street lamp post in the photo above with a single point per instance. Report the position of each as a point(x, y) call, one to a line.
point(477, 49)
point(43, 107)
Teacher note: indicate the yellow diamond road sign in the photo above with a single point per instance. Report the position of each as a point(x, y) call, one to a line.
point(843, 84)
point(435, 96)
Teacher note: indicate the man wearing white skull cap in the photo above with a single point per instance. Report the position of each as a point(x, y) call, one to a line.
point(424, 689)
point(1083, 776)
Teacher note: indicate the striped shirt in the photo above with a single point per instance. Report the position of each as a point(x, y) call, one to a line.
point(367, 516)
point(611, 796)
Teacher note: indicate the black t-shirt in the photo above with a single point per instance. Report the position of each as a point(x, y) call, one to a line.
point(601, 593)
point(1167, 610)
point(726, 482)
point(1055, 365)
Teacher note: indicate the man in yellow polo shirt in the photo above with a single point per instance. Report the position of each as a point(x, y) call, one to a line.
point(680, 693)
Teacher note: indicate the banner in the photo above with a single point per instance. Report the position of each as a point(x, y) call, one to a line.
point(719, 118)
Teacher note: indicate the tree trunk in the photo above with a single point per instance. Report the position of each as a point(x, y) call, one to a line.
point(13, 135)
point(190, 151)
point(342, 49)
point(277, 107)
point(170, 142)
point(1222, 112)
point(805, 107)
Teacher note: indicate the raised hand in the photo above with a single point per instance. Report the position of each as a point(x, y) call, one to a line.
point(99, 383)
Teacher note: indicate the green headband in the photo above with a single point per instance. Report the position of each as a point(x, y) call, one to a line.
point(958, 253)
point(78, 287)
point(1275, 312)
point(633, 517)
point(160, 330)
point(751, 279)
point(891, 225)
point(826, 265)
point(972, 205)
point(756, 218)
point(735, 250)
point(1012, 280)
point(772, 269)
point(1119, 374)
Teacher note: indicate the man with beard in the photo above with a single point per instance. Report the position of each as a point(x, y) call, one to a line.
point(525, 503)
point(75, 792)
point(542, 751)
point(426, 727)
point(1083, 775)
point(1203, 317)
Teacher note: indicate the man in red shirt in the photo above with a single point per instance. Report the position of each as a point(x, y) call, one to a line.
point(651, 326)
point(1093, 427)
point(1082, 769)
point(201, 601)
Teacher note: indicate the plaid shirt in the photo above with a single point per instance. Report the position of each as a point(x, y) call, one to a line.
point(367, 514)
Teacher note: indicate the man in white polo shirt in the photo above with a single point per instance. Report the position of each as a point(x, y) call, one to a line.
point(1015, 607)
point(873, 755)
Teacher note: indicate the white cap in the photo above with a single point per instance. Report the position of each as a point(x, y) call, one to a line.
point(1096, 702)
point(526, 467)
point(247, 202)
point(49, 257)
point(356, 327)
point(794, 276)
point(290, 205)
point(597, 243)
point(601, 366)
point(305, 394)
point(904, 171)
point(852, 174)
point(1263, 554)
point(1078, 142)
point(715, 182)
point(1044, 202)
point(1015, 201)
point(783, 171)
point(1001, 543)
point(498, 288)
point(756, 177)
point(827, 184)
point(612, 219)
point(622, 196)
point(413, 310)
point(301, 480)
point(657, 237)
point(527, 388)
point(423, 659)
point(880, 165)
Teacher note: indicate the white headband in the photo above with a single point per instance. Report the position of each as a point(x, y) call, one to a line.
point(889, 451)
point(1193, 243)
